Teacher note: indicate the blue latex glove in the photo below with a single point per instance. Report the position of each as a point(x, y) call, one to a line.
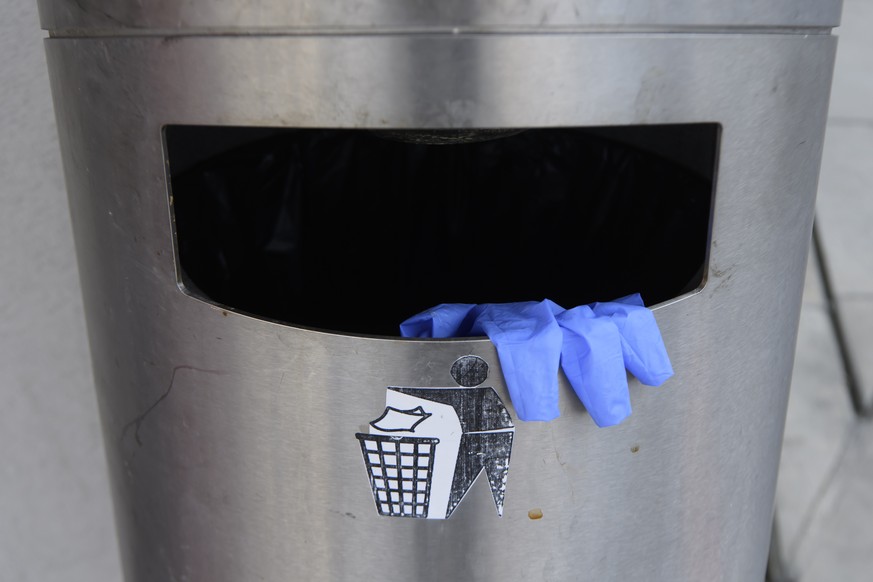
point(591, 357)
point(528, 342)
point(642, 347)
point(444, 320)
point(592, 344)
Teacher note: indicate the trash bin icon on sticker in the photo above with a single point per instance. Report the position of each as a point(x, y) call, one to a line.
point(400, 470)
point(430, 444)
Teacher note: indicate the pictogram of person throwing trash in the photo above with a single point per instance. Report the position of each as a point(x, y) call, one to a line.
point(430, 444)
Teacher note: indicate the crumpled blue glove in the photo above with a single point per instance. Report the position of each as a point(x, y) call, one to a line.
point(593, 344)
point(641, 345)
point(528, 342)
point(592, 360)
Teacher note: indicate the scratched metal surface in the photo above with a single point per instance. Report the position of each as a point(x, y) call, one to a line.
point(231, 440)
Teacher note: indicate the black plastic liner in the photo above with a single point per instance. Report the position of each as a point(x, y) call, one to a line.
point(347, 231)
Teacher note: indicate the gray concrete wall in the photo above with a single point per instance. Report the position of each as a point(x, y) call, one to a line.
point(55, 512)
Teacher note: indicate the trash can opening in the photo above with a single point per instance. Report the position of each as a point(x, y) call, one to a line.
point(355, 230)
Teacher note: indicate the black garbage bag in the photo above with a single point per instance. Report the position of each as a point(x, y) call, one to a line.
point(349, 231)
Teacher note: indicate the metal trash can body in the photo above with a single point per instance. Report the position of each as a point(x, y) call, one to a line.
point(231, 438)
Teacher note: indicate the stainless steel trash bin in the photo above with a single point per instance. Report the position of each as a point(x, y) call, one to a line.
point(231, 436)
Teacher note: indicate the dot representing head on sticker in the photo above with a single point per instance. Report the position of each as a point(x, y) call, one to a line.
point(469, 371)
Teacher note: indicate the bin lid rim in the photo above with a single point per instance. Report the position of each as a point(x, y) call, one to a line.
point(168, 17)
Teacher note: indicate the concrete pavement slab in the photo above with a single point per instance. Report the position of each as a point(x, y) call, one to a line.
point(840, 543)
point(819, 419)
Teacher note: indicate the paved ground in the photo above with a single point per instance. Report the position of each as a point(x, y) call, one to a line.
point(825, 493)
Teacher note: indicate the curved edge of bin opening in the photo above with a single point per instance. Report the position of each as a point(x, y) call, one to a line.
point(351, 231)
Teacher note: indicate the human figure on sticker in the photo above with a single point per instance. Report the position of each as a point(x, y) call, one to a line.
point(430, 444)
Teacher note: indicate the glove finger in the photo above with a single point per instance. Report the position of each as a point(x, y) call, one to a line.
point(645, 355)
point(528, 342)
point(442, 321)
point(591, 357)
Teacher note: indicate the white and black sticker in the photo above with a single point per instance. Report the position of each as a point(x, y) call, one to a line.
point(431, 444)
